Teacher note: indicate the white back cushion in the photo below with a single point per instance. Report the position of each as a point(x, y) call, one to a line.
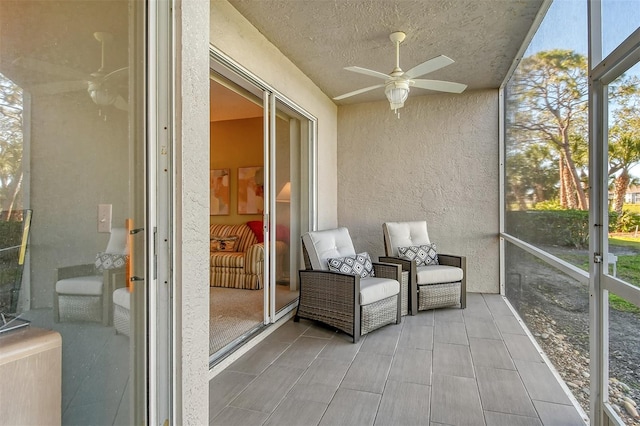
point(117, 241)
point(404, 234)
point(322, 245)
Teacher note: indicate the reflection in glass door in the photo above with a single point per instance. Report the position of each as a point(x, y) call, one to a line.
point(72, 145)
point(290, 141)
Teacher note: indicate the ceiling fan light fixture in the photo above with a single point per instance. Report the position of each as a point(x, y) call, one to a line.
point(397, 92)
point(100, 94)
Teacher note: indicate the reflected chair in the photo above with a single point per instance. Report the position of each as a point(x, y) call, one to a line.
point(350, 300)
point(84, 292)
point(430, 286)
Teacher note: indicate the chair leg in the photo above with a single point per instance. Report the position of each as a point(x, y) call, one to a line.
point(463, 293)
point(56, 307)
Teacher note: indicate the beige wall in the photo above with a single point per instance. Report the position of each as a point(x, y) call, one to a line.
point(437, 162)
point(235, 37)
point(234, 144)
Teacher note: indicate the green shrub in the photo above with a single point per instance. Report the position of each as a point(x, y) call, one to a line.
point(10, 233)
point(548, 205)
point(566, 228)
point(626, 222)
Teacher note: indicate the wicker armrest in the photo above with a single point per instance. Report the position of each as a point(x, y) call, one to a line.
point(406, 264)
point(410, 267)
point(452, 260)
point(330, 297)
point(328, 278)
point(388, 270)
point(460, 262)
point(75, 271)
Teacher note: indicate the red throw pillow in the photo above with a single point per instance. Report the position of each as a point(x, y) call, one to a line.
point(282, 232)
point(257, 228)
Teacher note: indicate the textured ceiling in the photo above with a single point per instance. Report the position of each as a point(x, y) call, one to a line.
point(322, 37)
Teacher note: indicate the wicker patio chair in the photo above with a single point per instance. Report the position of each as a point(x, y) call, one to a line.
point(84, 292)
point(430, 286)
point(349, 302)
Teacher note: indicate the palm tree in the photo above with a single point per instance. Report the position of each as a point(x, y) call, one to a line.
point(624, 137)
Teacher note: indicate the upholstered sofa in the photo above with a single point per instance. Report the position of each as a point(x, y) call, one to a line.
point(237, 256)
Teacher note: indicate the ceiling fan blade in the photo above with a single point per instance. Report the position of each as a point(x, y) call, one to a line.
point(357, 92)
point(429, 66)
point(368, 72)
point(57, 87)
point(117, 74)
point(440, 86)
point(121, 104)
point(49, 68)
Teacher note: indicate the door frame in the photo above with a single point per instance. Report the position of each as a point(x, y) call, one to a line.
point(270, 96)
point(602, 72)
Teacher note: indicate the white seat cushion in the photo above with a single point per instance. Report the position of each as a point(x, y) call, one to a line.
point(87, 286)
point(438, 274)
point(375, 289)
point(122, 298)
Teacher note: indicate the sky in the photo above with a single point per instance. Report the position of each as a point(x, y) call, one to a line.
point(565, 27)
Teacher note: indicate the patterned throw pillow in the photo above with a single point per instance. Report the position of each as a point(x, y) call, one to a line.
point(223, 243)
point(359, 264)
point(110, 261)
point(424, 255)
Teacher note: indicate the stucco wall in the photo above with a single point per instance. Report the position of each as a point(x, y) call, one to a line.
point(437, 162)
point(192, 214)
point(233, 35)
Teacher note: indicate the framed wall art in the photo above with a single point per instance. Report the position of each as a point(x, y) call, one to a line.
point(250, 190)
point(220, 193)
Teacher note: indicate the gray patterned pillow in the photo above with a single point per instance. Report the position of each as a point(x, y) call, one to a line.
point(110, 261)
point(424, 255)
point(359, 264)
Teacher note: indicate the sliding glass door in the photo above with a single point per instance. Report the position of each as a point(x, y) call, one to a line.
point(77, 159)
point(261, 161)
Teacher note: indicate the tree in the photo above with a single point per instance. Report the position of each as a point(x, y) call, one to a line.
point(624, 137)
point(532, 176)
point(550, 91)
point(11, 142)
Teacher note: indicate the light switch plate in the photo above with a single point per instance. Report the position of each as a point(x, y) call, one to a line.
point(104, 218)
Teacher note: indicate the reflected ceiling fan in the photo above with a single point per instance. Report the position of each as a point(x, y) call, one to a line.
point(398, 82)
point(104, 87)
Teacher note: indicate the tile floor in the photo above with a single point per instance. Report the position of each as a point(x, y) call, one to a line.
point(445, 367)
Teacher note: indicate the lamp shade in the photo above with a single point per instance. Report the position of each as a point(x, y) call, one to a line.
point(284, 196)
point(397, 92)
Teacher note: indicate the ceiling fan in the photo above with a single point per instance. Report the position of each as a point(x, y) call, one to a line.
point(398, 82)
point(104, 87)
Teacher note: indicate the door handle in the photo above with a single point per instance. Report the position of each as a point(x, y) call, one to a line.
point(131, 231)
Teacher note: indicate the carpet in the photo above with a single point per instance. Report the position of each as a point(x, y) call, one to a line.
point(234, 312)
